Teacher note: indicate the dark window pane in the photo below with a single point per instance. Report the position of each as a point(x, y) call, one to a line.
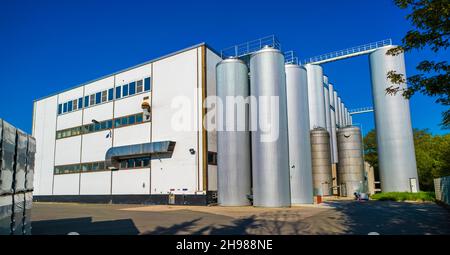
point(80, 103)
point(109, 124)
point(95, 166)
point(139, 118)
point(86, 101)
point(132, 88)
point(65, 107)
point(103, 125)
point(130, 163)
point(69, 106)
point(97, 127)
point(124, 121)
point(117, 123)
point(123, 164)
point(101, 166)
point(118, 92)
point(146, 162)
point(59, 108)
point(147, 85)
point(110, 94)
point(131, 120)
point(125, 90)
point(98, 97)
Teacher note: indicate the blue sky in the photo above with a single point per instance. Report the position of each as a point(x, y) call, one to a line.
point(48, 46)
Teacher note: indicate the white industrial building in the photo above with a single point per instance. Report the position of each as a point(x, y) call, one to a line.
point(112, 140)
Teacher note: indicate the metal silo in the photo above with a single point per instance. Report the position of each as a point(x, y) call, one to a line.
point(299, 137)
point(315, 96)
point(351, 163)
point(321, 161)
point(339, 111)
point(336, 109)
point(333, 139)
point(328, 117)
point(270, 154)
point(396, 156)
point(233, 142)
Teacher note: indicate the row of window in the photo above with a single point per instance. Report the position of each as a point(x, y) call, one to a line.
point(134, 163)
point(100, 126)
point(125, 90)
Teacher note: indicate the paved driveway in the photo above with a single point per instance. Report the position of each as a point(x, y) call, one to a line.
point(342, 217)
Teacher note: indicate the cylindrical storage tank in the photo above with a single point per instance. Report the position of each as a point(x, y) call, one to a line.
point(315, 96)
point(336, 108)
point(321, 162)
point(270, 154)
point(342, 114)
point(333, 124)
point(298, 134)
point(328, 117)
point(351, 163)
point(396, 156)
point(339, 111)
point(233, 143)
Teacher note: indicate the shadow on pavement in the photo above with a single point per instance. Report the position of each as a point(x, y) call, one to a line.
point(393, 218)
point(84, 226)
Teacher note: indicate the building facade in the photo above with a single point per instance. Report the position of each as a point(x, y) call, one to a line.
point(118, 138)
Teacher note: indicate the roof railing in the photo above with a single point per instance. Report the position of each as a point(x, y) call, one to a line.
point(249, 47)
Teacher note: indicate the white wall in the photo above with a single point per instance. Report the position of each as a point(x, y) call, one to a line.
point(66, 184)
point(175, 76)
point(131, 181)
point(44, 123)
point(95, 183)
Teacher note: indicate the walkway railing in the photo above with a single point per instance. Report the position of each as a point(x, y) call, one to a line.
point(249, 47)
point(361, 110)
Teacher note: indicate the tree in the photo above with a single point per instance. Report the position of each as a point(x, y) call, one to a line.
point(432, 29)
point(432, 155)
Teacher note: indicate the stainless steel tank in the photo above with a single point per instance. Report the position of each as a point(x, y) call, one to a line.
point(328, 117)
point(233, 143)
point(341, 110)
point(321, 161)
point(396, 156)
point(316, 99)
point(333, 124)
point(299, 136)
point(351, 163)
point(270, 154)
point(336, 108)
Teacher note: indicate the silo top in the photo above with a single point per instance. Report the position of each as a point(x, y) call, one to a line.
point(266, 49)
point(230, 60)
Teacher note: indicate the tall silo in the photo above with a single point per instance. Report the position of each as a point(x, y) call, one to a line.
point(351, 163)
point(321, 161)
point(336, 108)
point(233, 141)
point(328, 117)
point(270, 153)
point(333, 97)
point(342, 114)
point(315, 96)
point(339, 111)
point(299, 137)
point(396, 156)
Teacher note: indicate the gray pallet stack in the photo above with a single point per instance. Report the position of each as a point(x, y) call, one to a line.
point(17, 150)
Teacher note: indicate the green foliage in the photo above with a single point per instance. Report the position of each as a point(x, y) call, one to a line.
point(432, 155)
point(404, 196)
point(431, 22)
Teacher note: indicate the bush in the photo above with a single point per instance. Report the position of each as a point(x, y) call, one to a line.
point(404, 196)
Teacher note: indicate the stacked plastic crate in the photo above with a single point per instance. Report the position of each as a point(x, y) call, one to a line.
point(17, 150)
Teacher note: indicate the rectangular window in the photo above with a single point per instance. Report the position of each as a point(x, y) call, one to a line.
point(59, 108)
point(117, 123)
point(86, 101)
point(69, 106)
point(146, 162)
point(118, 92)
point(103, 125)
point(212, 158)
point(109, 124)
point(132, 120)
point(124, 121)
point(98, 97)
point(75, 105)
point(80, 103)
point(123, 164)
point(104, 96)
point(97, 127)
point(139, 86)
point(86, 167)
point(110, 94)
point(139, 118)
point(92, 100)
point(125, 90)
point(147, 84)
point(132, 88)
